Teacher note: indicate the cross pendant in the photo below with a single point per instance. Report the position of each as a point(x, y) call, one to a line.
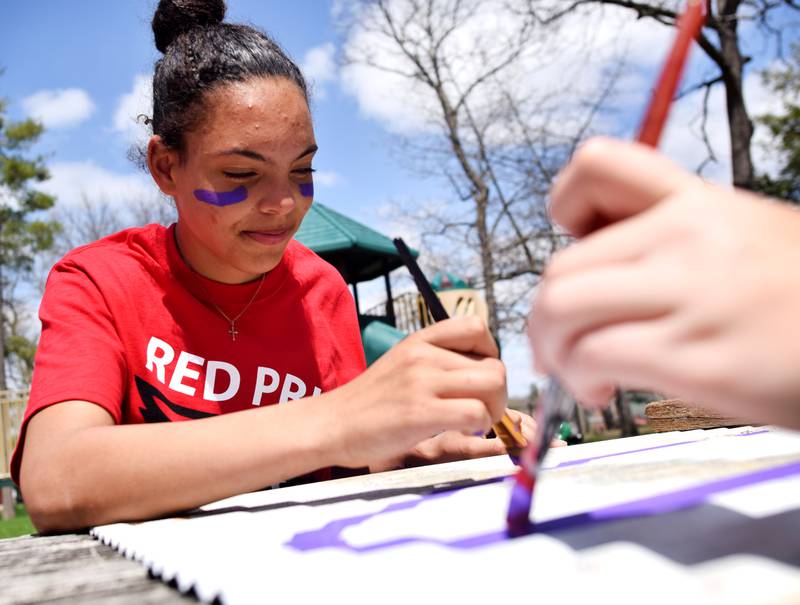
point(233, 331)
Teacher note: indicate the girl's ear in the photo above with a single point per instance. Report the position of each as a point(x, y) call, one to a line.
point(162, 162)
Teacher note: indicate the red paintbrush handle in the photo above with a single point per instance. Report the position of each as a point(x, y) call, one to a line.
point(689, 26)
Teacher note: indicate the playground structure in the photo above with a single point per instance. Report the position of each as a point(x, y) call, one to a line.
point(361, 254)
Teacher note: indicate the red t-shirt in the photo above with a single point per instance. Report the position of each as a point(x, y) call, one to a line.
point(128, 325)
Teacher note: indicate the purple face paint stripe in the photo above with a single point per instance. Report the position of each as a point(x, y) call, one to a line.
point(222, 198)
point(644, 449)
point(307, 189)
point(330, 535)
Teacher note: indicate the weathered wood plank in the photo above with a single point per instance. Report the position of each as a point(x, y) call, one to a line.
point(153, 593)
point(75, 568)
point(679, 415)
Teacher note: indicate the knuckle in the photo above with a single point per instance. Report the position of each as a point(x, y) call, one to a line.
point(476, 416)
point(537, 336)
point(495, 365)
point(545, 304)
point(556, 299)
point(595, 150)
point(555, 267)
point(587, 352)
point(706, 368)
point(595, 394)
point(473, 325)
point(412, 355)
point(499, 369)
point(416, 379)
point(497, 380)
point(477, 323)
point(577, 386)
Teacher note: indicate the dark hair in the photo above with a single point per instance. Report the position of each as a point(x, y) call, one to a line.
point(200, 53)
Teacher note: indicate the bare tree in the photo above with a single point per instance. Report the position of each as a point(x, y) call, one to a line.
point(156, 209)
point(86, 221)
point(81, 222)
point(721, 42)
point(484, 125)
point(92, 218)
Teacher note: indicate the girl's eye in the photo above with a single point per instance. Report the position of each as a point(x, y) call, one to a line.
point(239, 175)
point(304, 171)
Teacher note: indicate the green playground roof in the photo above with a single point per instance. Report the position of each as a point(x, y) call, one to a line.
point(357, 251)
point(447, 281)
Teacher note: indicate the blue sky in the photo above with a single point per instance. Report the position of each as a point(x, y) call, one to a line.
point(99, 47)
point(97, 51)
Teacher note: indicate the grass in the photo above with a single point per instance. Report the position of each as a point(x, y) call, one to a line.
point(18, 526)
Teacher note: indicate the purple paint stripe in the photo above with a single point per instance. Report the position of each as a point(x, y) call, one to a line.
point(644, 449)
point(222, 198)
point(330, 535)
point(671, 501)
point(614, 455)
point(760, 432)
point(519, 509)
point(307, 189)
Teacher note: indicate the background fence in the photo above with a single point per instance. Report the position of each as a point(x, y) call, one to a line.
point(12, 408)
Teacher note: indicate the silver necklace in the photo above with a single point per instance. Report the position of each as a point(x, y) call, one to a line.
point(232, 321)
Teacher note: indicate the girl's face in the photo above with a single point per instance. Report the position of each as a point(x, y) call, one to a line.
point(245, 181)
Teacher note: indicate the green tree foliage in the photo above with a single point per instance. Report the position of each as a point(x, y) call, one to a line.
point(785, 130)
point(24, 230)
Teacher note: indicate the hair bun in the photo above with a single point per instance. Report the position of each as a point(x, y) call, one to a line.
point(175, 17)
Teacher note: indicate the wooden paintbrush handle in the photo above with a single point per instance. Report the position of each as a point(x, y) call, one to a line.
point(509, 435)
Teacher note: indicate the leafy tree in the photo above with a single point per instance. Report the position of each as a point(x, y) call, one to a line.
point(785, 130)
point(23, 233)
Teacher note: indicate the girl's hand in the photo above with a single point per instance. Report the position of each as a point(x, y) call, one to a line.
point(690, 290)
point(444, 378)
point(449, 446)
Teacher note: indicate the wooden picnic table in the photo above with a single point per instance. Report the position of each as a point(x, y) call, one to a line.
point(75, 568)
point(78, 568)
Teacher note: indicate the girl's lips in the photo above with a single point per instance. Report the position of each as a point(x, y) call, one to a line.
point(268, 238)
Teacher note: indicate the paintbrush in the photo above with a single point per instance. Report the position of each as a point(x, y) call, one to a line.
point(505, 430)
point(555, 404)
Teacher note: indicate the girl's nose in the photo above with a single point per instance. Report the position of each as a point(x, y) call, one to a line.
point(275, 202)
